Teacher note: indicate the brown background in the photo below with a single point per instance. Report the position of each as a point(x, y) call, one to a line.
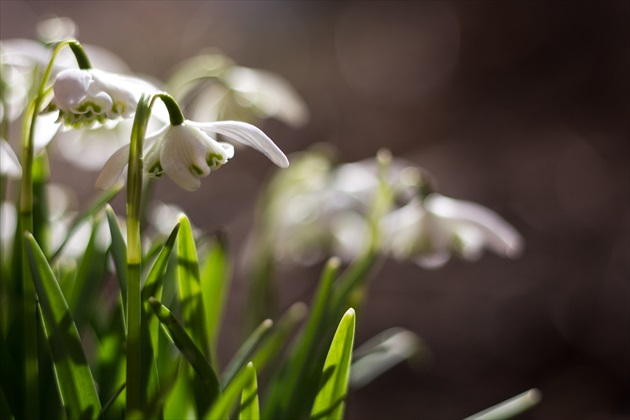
point(520, 106)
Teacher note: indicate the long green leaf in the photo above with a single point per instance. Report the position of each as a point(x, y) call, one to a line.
point(189, 349)
point(329, 403)
point(190, 294)
point(381, 353)
point(244, 353)
point(156, 274)
point(250, 409)
point(98, 204)
point(74, 378)
point(509, 408)
point(286, 397)
point(118, 250)
point(214, 285)
point(272, 346)
point(221, 408)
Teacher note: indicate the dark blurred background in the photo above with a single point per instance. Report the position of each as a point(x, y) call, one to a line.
point(521, 106)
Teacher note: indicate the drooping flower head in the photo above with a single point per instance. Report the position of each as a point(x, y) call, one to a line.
point(88, 98)
point(188, 152)
point(429, 231)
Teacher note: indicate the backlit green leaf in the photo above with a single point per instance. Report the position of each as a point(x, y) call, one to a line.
point(74, 378)
point(250, 409)
point(329, 403)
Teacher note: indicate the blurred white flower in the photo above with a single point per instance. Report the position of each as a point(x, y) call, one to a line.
point(225, 91)
point(244, 90)
point(186, 152)
point(8, 224)
point(296, 208)
point(56, 29)
point(163, 217)
point(430, 231)
point(9, 163)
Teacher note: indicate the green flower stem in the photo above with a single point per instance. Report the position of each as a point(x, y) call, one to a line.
point(29, 306)
point(134, 249)
point(134, 257)
point(174, 111)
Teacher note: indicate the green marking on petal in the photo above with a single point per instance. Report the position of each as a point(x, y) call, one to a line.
point(156, 170)
point(214, 160)
point(196, 170)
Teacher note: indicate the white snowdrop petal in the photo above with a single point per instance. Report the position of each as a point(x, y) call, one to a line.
point(228, 149)
point(183, 157)
point(71, 88)
point(248, 135)
point(113, 168)
point(500, 236)
point(272, 95)
point(9, 163)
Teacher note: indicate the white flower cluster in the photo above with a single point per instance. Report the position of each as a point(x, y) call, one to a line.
point(91, 110)
point(315, 209)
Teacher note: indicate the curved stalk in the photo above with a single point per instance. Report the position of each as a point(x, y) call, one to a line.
point(134, 248)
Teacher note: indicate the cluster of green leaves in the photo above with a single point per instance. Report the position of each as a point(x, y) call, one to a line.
point(82, 334)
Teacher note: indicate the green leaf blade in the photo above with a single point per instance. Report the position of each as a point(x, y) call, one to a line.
point(74, 378)
point(306, 358)
point(118, 251)
point(190, 291)
point(215, 282)
point(245, 352)
point(156, 275)
point(189, 349)
point(510, 408)
point(250, 408)
point(221, 408)
point(329, 403)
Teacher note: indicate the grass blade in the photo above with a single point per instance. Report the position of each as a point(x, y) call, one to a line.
point(511, 407)
point(301, 368)
point(118, 250)
point(214, 285)
point(221, 408)
point(245, 352)
point(250, 408)
point(329, 403)
point(189, 350)
point(156, 274)
point(273, 345)
point(74, 378)
point(381, 353)
point(190, 294)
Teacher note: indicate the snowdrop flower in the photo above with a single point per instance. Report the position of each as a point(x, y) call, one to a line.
point(9, 163)
point(22, 60)
point(430, 231)
point(88, 98)
point(95, 114)
point(187, 152)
